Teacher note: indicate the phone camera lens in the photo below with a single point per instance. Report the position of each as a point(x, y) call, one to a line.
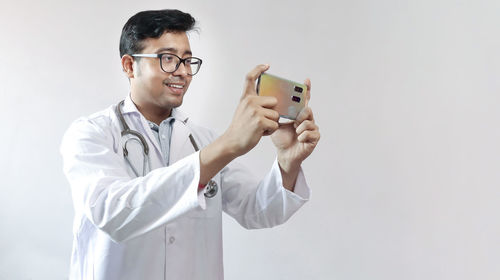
point(298, 89)
point(296, 99)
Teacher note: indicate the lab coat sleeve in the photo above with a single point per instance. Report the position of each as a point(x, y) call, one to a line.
point(261, 204)
point(105, 194)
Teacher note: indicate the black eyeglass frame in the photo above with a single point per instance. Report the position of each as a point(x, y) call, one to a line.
point(181, 60)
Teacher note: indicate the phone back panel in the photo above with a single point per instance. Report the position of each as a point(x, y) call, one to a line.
point(291, 95)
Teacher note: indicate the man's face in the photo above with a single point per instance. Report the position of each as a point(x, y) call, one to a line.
point(152, 89)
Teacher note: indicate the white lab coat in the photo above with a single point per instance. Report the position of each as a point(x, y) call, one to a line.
point(158, 226)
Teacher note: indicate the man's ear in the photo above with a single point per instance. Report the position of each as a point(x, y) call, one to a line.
point(128, 65)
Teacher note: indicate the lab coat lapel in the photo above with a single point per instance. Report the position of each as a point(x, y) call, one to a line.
point(130, 110)
point(180, 145)
point(152, 139)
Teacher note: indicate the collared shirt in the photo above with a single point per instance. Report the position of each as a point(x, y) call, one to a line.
point(163, 134)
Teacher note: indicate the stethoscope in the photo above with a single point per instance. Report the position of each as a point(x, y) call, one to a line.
point(211, 188)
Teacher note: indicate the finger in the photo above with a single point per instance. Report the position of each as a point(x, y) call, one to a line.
point(270, 114)
point(268, 126)
point(307, 82)
point(266, 101)
point(306, 125)
point(252, 77)
point(304, 114)
point(309, 137)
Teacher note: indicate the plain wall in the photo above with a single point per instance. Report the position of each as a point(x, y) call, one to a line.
point(405, 179)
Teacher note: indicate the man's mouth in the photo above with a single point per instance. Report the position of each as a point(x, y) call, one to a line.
point(176, 88)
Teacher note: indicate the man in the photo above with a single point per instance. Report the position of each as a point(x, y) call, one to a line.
point(149, 186)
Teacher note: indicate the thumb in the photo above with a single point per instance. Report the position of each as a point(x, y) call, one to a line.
point(252, 77)
point(307, 82)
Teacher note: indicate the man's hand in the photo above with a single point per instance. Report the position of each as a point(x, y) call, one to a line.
point(295, 142)
point(254, 117)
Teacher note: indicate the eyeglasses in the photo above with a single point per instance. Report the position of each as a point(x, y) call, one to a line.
point(169, 62)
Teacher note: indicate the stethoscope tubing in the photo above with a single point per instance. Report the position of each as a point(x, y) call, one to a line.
point(211, 189)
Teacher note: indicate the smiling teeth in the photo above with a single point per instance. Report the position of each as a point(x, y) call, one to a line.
point(176, 86)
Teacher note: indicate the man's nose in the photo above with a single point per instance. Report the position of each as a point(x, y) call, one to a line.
point(181, 70)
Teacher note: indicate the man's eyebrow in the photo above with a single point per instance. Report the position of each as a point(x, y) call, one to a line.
point(172, 50)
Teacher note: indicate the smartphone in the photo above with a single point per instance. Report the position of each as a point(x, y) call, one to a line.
point(291, 95)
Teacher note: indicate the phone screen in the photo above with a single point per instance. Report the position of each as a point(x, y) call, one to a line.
point(291, 95)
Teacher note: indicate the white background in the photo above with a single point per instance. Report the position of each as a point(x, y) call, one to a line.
point(406, 181)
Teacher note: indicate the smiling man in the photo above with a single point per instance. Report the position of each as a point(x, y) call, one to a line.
point(149, 186)
point(154, 92)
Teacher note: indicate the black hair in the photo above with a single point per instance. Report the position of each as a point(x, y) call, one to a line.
point(152, 24)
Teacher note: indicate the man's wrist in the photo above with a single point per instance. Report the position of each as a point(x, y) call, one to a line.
point(229, 146)
point(213, 158)
point(287, 164)
point(289, 171)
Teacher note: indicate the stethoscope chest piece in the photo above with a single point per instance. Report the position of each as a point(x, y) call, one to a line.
point(211, 189)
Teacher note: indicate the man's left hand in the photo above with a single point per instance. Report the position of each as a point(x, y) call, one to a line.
point(295, 142)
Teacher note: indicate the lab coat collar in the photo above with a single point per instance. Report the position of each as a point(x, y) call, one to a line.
point(180, 145)
point(178, 115)
point(180, 131)
point(129, 107)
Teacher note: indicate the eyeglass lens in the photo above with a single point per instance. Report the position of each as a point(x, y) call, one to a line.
point(170, 63)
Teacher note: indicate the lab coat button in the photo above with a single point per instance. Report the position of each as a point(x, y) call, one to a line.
point(171, 240)
point(163, 137)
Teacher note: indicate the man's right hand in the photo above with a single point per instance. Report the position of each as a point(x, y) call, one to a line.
point(254, 117)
